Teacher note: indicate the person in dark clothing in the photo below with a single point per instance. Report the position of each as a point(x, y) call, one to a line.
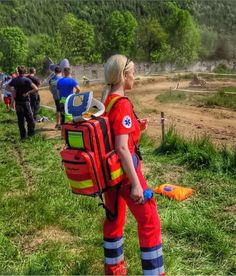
point(34, 97)
point(22, 87)
point(55, 93)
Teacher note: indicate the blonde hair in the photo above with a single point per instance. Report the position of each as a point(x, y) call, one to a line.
point(114, 70)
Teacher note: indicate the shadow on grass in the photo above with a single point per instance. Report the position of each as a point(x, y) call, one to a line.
point(10, 139)
point(44, 129)
point(8, 121)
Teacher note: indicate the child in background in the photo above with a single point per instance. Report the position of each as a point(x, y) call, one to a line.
point(7, 96)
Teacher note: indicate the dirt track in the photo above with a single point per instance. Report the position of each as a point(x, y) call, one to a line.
point(189, 118)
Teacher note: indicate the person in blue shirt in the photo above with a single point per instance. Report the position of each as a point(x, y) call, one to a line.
point(55, 93)
point(66, 87)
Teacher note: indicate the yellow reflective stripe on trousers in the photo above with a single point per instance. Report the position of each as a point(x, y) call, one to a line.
point(112, 101)
point(117, 173)
point(81, 184)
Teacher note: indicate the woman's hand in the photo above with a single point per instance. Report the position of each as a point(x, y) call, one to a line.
point(121, 146)
point(143, 124)
point(137, 194)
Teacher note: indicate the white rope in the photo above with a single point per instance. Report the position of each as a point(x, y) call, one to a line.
point(48, 107)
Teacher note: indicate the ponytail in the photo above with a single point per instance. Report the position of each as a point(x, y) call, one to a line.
point(105, 93)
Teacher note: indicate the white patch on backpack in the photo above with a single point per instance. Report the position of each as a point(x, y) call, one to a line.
point(126, 122)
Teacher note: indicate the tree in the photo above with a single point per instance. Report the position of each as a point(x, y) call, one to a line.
point(225, 47)
point(165, 53)
point(120, 33)
point(209, 40)
point(13, 46)
point(78, 39)
point(183, 33)
point(41, 46)
point(151, 37)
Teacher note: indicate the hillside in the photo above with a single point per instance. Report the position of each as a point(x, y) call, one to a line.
point(43, 16)
point(218, 14)
point(174, 31)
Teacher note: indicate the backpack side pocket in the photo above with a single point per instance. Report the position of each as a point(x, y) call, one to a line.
point(114, 171)
point(81, 171)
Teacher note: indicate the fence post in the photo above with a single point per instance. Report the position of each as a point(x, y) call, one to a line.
point(162, 126)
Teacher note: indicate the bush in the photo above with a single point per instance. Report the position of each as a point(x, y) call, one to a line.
point(221, 99)
point(172, 143)
point(198, 153)
point(171, 96)
point(221, 68)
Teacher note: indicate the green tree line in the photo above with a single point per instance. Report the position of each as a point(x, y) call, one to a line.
point(177, 31)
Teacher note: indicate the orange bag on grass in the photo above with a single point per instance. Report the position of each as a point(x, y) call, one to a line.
point(174, 192)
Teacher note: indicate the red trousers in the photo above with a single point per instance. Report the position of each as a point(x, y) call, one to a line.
point(149, 231)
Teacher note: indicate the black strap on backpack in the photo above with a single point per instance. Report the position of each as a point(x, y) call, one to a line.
point(111, 216)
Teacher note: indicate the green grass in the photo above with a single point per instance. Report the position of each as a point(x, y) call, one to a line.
point(47, 113)
point(45, 229)
point(217, 75)
point(222, 69)
point(224, 97)
point(228, 89)
point(171, 97)
point(199, 153)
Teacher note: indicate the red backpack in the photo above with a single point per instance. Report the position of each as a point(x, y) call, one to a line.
point(91, 164)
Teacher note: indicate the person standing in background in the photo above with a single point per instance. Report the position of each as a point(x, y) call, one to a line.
point(55, 93)
point(2, 77)
point(22, 87)
point(15, 74)
point(2, 81)
point(7, 95)
point(34, 97)
point(66, 86)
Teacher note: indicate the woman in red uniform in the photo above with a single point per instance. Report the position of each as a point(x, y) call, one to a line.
point(126, 128)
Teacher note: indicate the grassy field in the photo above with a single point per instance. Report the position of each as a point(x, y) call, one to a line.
point(45, 229)
point(226, 97)
point(206, 76)
point(171, 96)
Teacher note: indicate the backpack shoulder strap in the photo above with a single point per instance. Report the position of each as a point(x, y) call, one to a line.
point(108, 109)
point(112, 102)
